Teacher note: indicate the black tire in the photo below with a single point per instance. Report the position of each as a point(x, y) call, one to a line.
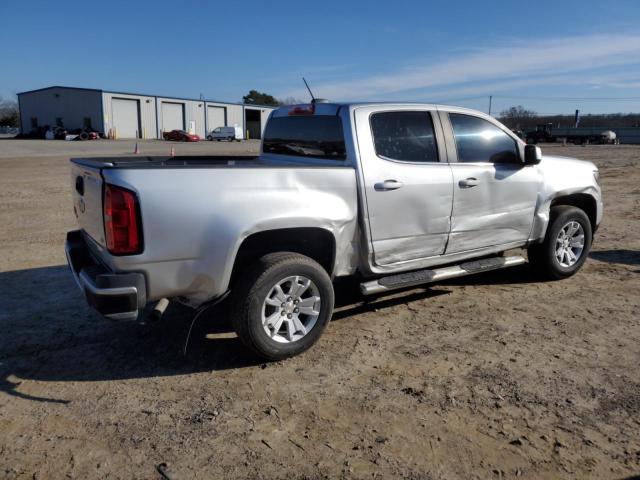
point(252, 288)
point(542, 257)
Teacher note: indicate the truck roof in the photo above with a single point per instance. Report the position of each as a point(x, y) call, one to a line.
point(332, 108)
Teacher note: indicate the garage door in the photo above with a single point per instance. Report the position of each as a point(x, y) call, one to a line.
point(216, 117)
point(126, 117)
point(172, 116)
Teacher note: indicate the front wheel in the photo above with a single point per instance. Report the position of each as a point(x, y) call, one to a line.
point(566, 244)
point(282, 305)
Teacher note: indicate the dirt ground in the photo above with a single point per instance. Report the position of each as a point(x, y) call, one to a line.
point(492, 376)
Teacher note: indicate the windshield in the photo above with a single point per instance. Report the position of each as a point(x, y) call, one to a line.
point(318, 136)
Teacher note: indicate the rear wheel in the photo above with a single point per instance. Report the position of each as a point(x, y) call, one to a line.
point(282, 305)
point(566, 244)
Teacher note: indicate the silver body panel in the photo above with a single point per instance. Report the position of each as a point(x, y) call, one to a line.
point(404, 223)
point(498, 210)
point(88, 207)
point(195, 219)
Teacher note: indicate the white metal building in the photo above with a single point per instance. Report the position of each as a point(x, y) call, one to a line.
point(133, 115)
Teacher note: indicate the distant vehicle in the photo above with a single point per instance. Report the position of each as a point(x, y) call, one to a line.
point(226, 133)
point(547, 133)
point(609, 137)
point(180, 136)
point(394, 195)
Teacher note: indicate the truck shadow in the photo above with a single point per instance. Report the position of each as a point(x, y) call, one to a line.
point(51, 335)
point(624, 257)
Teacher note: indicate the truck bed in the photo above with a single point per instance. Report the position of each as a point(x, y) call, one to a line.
point(195, 212)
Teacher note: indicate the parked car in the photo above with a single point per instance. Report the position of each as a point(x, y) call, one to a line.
point(226, 133)
point(395, 195)
point(180, 136)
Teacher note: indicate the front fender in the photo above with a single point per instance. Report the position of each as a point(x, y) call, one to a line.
point(564, 177)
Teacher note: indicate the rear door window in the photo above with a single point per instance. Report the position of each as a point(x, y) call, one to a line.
point(318, 136)
point(404, 135)
point(478, 140)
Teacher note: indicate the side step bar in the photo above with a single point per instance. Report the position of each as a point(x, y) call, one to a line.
point(420, 277)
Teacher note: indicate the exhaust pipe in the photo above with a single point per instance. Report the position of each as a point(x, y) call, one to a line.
point(158, 310)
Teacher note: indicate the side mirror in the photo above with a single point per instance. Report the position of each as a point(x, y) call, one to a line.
point(532, 155)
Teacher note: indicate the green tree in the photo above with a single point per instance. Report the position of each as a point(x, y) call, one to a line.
point(259, 98)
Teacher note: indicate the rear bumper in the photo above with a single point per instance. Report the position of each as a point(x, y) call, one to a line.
point(118, 296)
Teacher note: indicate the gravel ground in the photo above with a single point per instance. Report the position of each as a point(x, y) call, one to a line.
point(492, 376)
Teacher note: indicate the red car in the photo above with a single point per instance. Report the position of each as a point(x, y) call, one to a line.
point(180, 136)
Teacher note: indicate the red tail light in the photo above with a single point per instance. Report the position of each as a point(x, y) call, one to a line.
point(121, 221)
point(302, 109)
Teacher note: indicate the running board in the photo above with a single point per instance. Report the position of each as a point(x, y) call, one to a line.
point(420, 277)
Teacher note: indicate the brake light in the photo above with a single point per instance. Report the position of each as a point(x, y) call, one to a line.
point(302, 109)
point(121, 221)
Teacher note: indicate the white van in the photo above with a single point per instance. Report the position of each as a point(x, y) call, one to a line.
point(226, 133)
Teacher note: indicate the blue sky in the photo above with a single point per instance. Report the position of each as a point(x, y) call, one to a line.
point(536, 53)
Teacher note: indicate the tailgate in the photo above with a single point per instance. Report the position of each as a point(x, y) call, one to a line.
point(86, 184)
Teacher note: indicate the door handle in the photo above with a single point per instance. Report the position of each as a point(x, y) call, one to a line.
point(468, 182)
point(388, 185)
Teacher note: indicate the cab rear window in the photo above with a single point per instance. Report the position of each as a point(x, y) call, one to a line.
point(317, 136)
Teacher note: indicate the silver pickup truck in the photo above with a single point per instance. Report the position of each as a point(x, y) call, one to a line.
point(395, 194)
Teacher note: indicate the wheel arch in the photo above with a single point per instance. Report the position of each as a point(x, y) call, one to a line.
point(583, 201)
point(316, 243)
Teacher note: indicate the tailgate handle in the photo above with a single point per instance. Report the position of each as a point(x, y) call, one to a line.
point(80, 185)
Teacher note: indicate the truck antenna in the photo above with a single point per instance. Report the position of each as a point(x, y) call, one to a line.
point(310, 92)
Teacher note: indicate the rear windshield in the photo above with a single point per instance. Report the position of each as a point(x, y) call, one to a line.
point(318, 136)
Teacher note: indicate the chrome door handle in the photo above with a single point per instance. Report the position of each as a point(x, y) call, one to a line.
point(387, 185)
point(468, 182)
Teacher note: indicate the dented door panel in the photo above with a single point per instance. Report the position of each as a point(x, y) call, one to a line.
point(496, 211)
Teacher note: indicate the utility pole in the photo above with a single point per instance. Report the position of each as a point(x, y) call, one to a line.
point(490, 100)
